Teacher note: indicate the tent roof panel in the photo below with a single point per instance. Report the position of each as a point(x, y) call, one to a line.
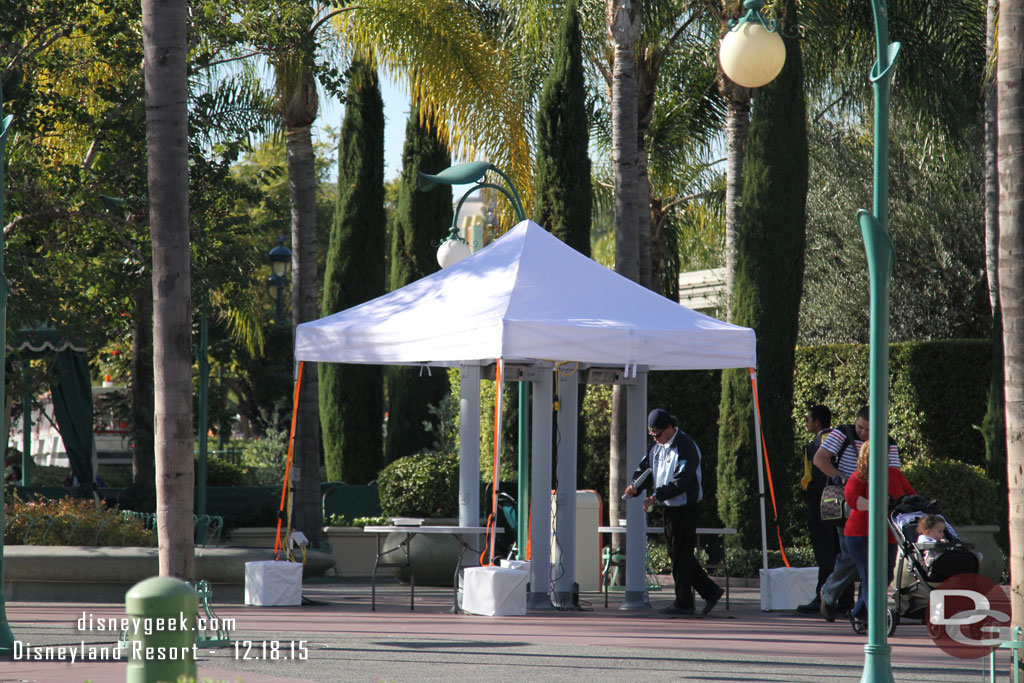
point(528, 295)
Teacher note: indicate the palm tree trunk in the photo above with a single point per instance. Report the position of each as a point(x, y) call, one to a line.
point(164, 38)
point(993, 426)
point(306, 511)
point(624, 31)
point(1009, 74)
point(143, 460)
point(736, 126)
point(991, 167)
point(647, 83)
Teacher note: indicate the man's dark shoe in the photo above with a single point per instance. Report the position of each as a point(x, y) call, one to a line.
point(676, 611)
point(812, 607)
point(828, 611)
point(710, 603)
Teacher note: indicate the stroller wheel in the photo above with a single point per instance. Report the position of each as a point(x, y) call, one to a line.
point(892, 620)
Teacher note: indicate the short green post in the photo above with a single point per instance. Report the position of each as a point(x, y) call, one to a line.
point(162, 647)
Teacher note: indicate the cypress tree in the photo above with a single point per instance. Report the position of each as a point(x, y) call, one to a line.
point(351, 396)
point(419, 223)
point(562, 181)
point(766, 296)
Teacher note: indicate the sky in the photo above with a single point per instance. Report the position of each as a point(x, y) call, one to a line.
point(396, 111)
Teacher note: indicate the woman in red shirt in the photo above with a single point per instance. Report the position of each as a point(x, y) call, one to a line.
point(856, 529)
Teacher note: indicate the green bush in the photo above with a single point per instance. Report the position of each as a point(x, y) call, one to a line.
point(70, 522)
point(937, 401)
point(742, 562)
point(342, 520)
point(263, 460)
point(425, 485)
point(221, 472)
point(747, 562)
point(967, 496)
point(937, 393)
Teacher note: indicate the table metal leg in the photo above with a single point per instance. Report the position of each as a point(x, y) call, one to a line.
point(373, 579)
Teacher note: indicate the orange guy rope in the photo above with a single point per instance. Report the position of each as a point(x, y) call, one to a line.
point(288, 463)
point(767, 465)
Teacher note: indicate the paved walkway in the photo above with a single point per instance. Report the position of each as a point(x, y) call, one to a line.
point(345, 641)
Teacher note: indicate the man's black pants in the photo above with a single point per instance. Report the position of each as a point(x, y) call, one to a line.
point(681, 535)
point(824, 539)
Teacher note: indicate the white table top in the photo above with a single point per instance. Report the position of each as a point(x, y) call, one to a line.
point(410, 529)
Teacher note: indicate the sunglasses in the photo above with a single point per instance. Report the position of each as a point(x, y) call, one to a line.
point(656, 432)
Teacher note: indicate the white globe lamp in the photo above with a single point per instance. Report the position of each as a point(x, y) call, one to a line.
point(751, 55)
point(451, 251)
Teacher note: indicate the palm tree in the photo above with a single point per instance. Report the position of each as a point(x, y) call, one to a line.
point(164, 37)
point(469, 86)
point(298, 104)
point(1009, 74)
point(288, 36)
point(993, 427)
point(624, 32)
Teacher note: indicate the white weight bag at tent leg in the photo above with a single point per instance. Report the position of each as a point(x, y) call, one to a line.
point(786, 587)
point(521, 565)
point(269, 583)
point(494, 591)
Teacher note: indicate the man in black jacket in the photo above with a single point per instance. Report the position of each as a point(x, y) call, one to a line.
point(824, 538)
point(674, 461)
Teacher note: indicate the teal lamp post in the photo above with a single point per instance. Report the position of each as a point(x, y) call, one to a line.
point(452, 250)
point(6, 637)
point(746, 50)
point(203, 364)
point(280, 263)
point(874, 228)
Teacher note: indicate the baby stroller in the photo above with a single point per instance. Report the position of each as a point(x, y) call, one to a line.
point(915, 578)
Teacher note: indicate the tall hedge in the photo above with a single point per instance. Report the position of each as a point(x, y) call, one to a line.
point(766, 292)
point(351, 396)
point(419, 223)
point(938, 393)
point(937, 401)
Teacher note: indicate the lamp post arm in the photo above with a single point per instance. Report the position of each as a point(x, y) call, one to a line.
point(513, 197)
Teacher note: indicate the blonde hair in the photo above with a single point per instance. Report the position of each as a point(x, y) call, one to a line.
point(928, 522)
point(863, 461)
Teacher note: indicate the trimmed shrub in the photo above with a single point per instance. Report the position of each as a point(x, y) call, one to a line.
point(746, 562)
point(937, 393)
point(424, 485)
point(937, 401)
point(220, 472)
point(70, 522)
point(966, 494)
point(742, 562)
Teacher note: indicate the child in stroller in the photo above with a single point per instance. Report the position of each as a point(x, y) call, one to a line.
point(924, 559)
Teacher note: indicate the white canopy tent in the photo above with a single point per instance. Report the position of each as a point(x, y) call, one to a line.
point(530, 299)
